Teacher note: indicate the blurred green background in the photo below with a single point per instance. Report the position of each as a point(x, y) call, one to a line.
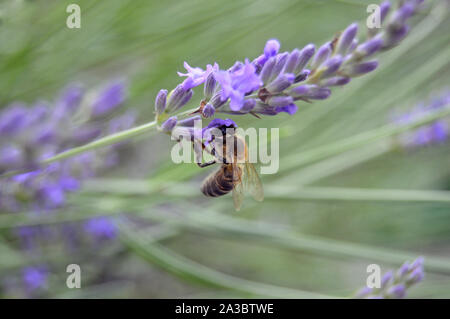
point(300, 242)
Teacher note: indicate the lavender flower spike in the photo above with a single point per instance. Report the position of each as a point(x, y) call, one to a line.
point(396, 286)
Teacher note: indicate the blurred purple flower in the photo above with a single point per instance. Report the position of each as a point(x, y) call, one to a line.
point(111, 97)
point(35, 277)
point(101, 228)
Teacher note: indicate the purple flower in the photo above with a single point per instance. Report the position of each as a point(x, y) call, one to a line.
point(101, 228)
point(110, 98)
point(196, 76)
point(235, 85)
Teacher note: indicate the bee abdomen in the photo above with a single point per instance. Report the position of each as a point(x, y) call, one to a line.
point(218, 184)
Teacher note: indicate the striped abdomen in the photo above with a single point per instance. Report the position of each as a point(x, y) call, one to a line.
point(219, 183)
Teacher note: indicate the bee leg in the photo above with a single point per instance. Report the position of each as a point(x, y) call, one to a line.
point(206, 164)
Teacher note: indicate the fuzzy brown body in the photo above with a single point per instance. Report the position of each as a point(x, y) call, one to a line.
point(219, 183)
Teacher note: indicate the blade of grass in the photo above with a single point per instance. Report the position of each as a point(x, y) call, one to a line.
point(197, 273)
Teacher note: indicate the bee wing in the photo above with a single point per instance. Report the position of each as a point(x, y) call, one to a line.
point(246, 180)
point(238, 187)
point(252, 182)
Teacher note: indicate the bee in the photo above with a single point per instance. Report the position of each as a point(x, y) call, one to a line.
point(236, 174)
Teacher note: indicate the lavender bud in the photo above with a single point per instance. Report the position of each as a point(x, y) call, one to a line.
point(217, 101)
point(267, 70)
point(354, 70)
point(384, 9)
point(387, 277)
point(109, 99)
point(169, 124)
point(415, 276)
point(271, 48)
point(248, 105)
point(332, 65)
point(369, 47)
point(11, 157)
point(264, 109)
point(403, 270)
point(189, 122)
point(363, 292)
point(353, 46)
point(310, 91)
point(305, 55)
point(279, 65)
point(279, 100)
point(336, 81)
point(291, 109)
point(210, 86)
point(302, 76)
point(12, 119)
point(401, 15)
point(259, 62)
point(397, 291)
point(346, 39)
point(282, 82)
point(208, 111)
point(322, 54)
point(178, 98)
point(86, 134)
point(160, 102)
point(292, 61)
point(395, 36)
point(417, 263)
point(43, 135)
point(70, 99)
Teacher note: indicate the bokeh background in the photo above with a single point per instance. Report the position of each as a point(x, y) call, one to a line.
point(322, 221)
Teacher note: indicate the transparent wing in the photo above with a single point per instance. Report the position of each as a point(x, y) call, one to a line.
point(252, 182)
point(238, 187)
